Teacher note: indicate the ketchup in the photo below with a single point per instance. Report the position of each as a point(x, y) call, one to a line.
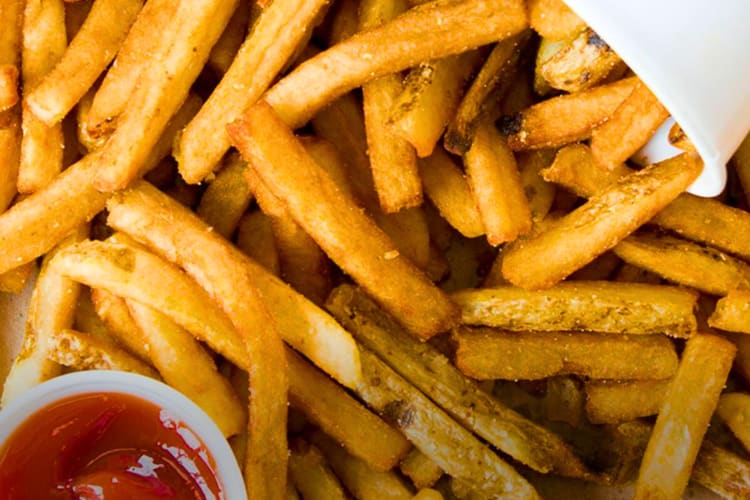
point(105, 446)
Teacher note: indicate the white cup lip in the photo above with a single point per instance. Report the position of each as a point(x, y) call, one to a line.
point(158, 393)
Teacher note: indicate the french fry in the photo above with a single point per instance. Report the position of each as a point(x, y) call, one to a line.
point(255, 239)
point(14, 281)
point(599, 224)
point(553, 19)
point(363, 434)
point(311, 474)
point(540, 127)
point(226, 198)
point(52, 308)
point(679, 139)
point(741, 163)
point(90, 142)
point(496, 185)
point(686, 263)
point(721, 471)
point(430, 372)
point(113, 312)
point(226, 47)
point(599, 269)
point(564, 400)
point(428, 494)
point(88, 54)
point(409, 233)
point(87, 320)
point(11, 12)
point(430, 31)
point(359, 478)
point(540, 194)
point(734, 410)
point(483, 354)
point(446, 186)
point(75, 15)
point(44, 43)
point(291, 491)
point(435, 434)
point(269, 45)
point(732, 312)
point(629, 128)
point(163, 88)
point(422, 471)
point(574, 169)
point(311, 196)
point(594, 306)
point(80, 351)
point(8, 86)
point(344, 21)
point(684, 417)
point(611, 402)
point(629, 273)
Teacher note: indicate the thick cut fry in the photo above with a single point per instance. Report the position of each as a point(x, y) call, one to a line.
point(311, 474)
point(114, 313)
point(486, 353)
point(422, 471)
point(540, 126)
point(496, 185)
point(686, 263)
point(435, 434)
point(595, 306)
point(684, 417)
point(732, 312)
point(8, 86)
point(52, 308)
point(553, 19)
point(312, 196)
point(446, 186)
point(88, 54)
point(271, 42)
point(255, 239)
point(611, 402)
point(721, 471)
point(226, 198)
point(328, 406)
point(226, 47)
point(679, 139)
point(540, 194)
point(575, 170)
point(629, 128)
point(734, 410)
point(430, 372)
point(599, 224)
point(14, 280)
point(741, 163)
point(424, 33)
point(359, 478)
point(185, 365)
point(11, 12)
point(162, 89)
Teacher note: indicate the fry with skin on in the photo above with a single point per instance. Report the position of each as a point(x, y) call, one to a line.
point(426, 32)
point(732, 312)
point(422, 471)
point(611, 402)
point(684, 417)
point(226, 198)
point(312, 196)
point(553, 19)
point(595, 306)
point(310, 473)
point(599, 224)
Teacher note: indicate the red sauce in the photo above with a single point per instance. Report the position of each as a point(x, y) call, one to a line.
point(105, 446)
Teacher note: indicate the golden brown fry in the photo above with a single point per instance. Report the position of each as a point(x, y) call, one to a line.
point(8, 86)
point(734, 410)
point(741, 163)
point(431, 373)
point(553, 19)
point(721, 471)
point(540, 194)
point(227, 197)
point(226, 47)
point(684, 417)
point(629, 128)
point(113, 312)
point(409, 232)
point(686, 263)
point(422, 471)
point(89, 141)
point(487, 353)
point(596, 306)
point(14, 280)
point(311, 196)
point(732, 312)
point(271, 42)
point(540, 126)
point(611, 402)
point(599, 224)
point(574, 169)
point(11, 12)
point(310, 473)
point(255, 239)
point(88, 54)
point(679, 139)
point(424, 33)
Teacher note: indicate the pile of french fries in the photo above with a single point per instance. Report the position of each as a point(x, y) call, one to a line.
point(394, 248)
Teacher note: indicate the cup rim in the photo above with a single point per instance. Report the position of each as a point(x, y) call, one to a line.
point(111, 381)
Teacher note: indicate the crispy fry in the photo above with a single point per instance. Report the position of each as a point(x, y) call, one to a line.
point(270, 43)
point(629, 128)
point(311, 196)
point(487, 353)
point(88, 54)
point(8, 86)
point(426, 32)
point(595, 306)
point(422, 471)
point(11, 12)
point(679, 139)
point(721, 471)
point(574, 169)
point(732, 312)
point(496, 185)
point(599, 224)
point(113, 312)
point(226, 198)
point(734, 410)
point(311, 474)
point(255, 239)
point(610, 402)
point(684, 417)
point(89, 141)
point(14, 280)
point(741, 163)
point(226, 47)
point(540, 194)
point(540, 126)
point(431, 373)
point(428, 494)
point(554, 19)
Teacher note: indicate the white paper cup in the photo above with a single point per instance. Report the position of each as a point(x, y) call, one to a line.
point(693, 55)
point(153, 391)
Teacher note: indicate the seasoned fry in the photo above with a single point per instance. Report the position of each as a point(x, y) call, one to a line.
point(553, 19)
point(422, 471)
point(14, 280)
point(686, 263)
point(8, 86)
point(487, 353)
point(311, 474)
point(629, 128)
point(226, 198)
point(679, 139)
point(430, 372)
point(113, 312)
point(255, 239)
point(423, 33)
point(496, 185)
point(311, 196)
point(11, 12)
point(540, 126)
point(599, 224)
point(271, 42)
point(732, 312)
point(595, 306)
point(721, 471)
point(540, 194)
point(611, 402)
point(684, 417)
point(734, 410)
point(409, 232)
point(88, 54)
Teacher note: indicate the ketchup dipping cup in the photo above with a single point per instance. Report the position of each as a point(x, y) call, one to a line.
point(112, 435)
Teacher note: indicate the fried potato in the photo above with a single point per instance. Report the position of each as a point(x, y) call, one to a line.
point(226, 47)
point(679, 139)
point(8, 86)
point(226, 198)
point(721, 471)
point(310, 473)
point(540, 194)
point(734, 410)
point(14, 280)
point(10, 119)
point(113, 312)
point(732, 312)
point(611, 402)
point(553, 19)
point(422, 471)
point(255, 239)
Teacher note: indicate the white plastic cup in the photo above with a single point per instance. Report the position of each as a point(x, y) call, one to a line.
point(693, 55)
point(110, 381)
